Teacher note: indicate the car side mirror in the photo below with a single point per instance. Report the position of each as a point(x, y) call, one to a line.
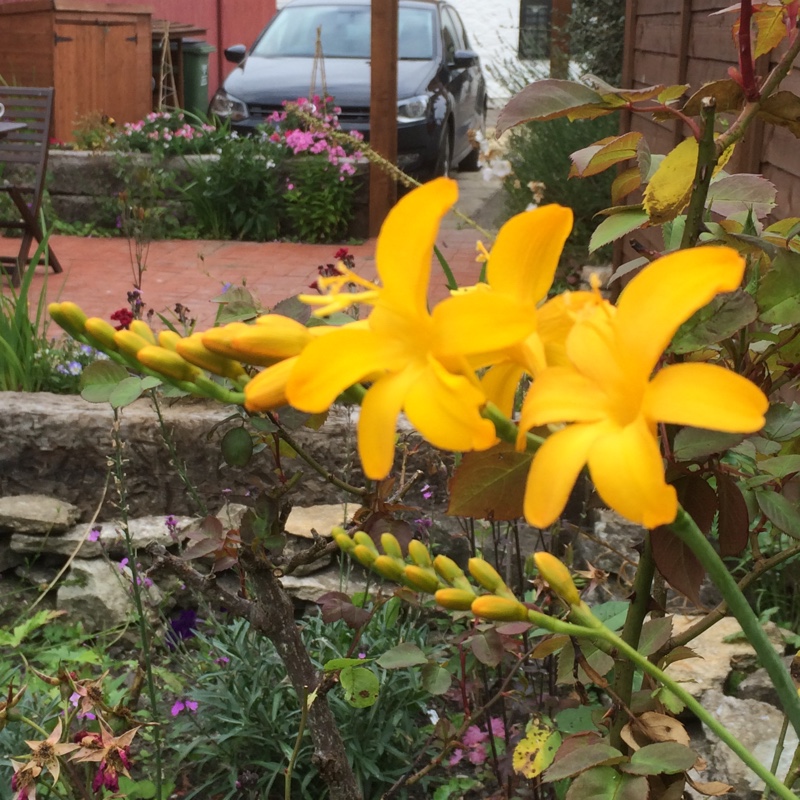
point(235, 53)
point(464, 59)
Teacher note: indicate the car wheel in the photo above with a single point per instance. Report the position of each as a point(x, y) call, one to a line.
point(442, 168)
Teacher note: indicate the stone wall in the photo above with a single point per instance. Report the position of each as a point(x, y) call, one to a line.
point(60, 445)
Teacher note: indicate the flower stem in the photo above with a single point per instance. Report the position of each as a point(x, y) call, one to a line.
point(687, 531)
point(507, 430)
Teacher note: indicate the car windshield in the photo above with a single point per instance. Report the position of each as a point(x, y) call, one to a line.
point(345, 33)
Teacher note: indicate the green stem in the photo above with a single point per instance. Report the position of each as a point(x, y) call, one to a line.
point(707, 158)
point(631, 632)
point(776, 757)
point(33, 725)
point(599, 634)
point(687, 531)
point(144, 633)
point(507, 430)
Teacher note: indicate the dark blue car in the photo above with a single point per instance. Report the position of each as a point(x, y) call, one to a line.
point(440, 86)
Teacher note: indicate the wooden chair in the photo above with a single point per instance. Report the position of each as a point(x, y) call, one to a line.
point(23, 166)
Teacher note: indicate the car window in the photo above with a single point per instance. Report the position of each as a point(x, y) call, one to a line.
point(449, 37)
point(345, 33)
point(457, 27)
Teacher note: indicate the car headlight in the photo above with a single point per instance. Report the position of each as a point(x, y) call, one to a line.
point(414, 109)
point(226, 106)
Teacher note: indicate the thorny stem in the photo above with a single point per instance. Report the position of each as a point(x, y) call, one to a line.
point(707, 157)
point(751, 109)
point(144, 633)
point(631, 632)
point(749, 84)
point(687, 531)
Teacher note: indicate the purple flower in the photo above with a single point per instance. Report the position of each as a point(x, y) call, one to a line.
point(94, 533)
point(123, 564)
point(182, 627)
point(427, 492)
point(172, 526)
point(183, 705)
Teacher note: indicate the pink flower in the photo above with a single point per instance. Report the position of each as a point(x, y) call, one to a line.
point(183, 705)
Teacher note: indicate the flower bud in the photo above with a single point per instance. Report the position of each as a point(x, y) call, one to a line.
point(343, 541)
point(69, 316)
point(455, 599)
point(420, 554)
point(220, 340)
point(489, 606)
point(451, 573)
point(364, 555)
point(421, 579)
point(273, 336)
point(195, 352)
point(142, 329)
point(557, 575)
point(391, 546)
point(102, 332)
point(169, 339)
point(129, 342)
point(390, 568)
point(167, 363)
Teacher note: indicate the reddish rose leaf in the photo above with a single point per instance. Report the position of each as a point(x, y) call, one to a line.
point(677, 563)
point(490, 484)
point(734, 520)
point(698, 499)
point(488, 647)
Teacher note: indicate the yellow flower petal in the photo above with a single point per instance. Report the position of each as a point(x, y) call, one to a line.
point(666, 293)
point(560, 394)
point(500, 384)
point(445, 409)
point(377, 422)
point(480, 321)
point(405, 245)
point(705, 396)
point(267, 390)
point(555, 469)
point(627, 470)
point(333, 363)
point(556, 319)
point(523, 260)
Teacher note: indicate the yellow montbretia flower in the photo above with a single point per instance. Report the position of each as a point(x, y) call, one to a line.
point(400, 348)
point(521, 267)
point(609, 392)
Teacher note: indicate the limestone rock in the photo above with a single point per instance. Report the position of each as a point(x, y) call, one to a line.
point(322, 518)
point(757, 726)
point(36, 514)
point(717, 656)
point(143, 530)
point(759, 686)
point(98, 593)
point(613, 543)
point(310, 588)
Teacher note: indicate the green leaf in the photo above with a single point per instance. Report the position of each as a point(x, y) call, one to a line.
point(696, 444)
point(616, 225)
point(779, 292)
point(488, 647)
point(582, 759)
point(536, 750)
point(455, 788)
point(720, 319)
point(360, 685)
point(783, 422)
point(402, 655)
point(548, 99)
point(782, 108)
point(780, 511)
point(577, 720)
point(490, 484)
point(126, 392)
point(605, 783)
point(436, 679)
point(655, 634)
point(99, 379)
point(740, 193)
point(600, 156)
point(661, 758)
point(780, 466)
point(25, 629)
point(237, 447)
